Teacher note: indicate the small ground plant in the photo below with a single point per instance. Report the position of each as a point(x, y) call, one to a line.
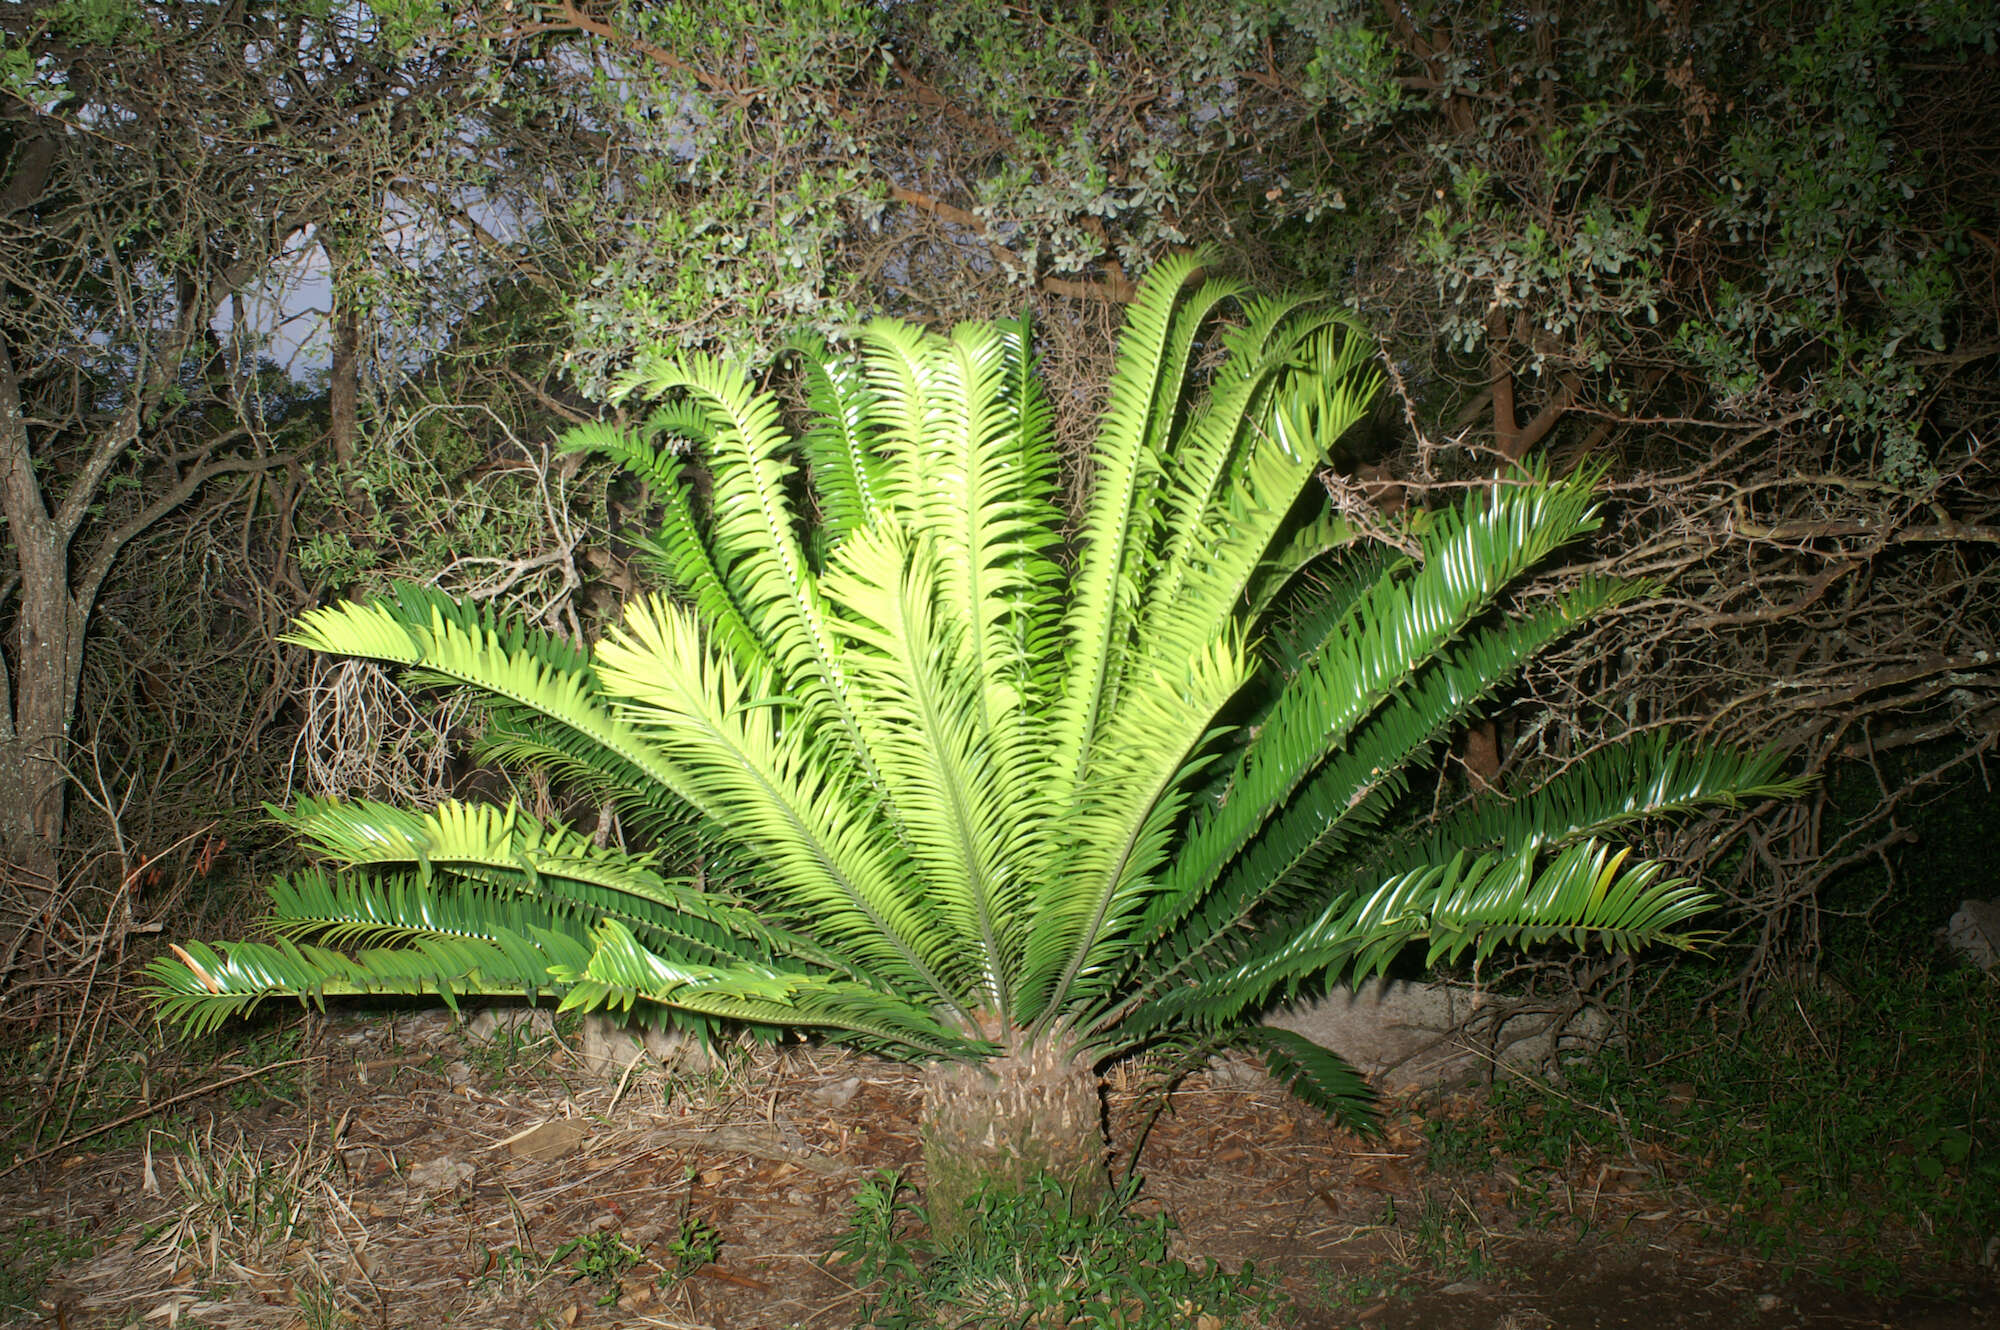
point(1847, 1125)
point(1035, 1258)
point(29, 1250)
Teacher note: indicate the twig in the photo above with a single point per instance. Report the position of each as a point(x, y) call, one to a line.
point(149, 1111)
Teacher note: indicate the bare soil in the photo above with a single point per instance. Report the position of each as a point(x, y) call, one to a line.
point(429, 1184)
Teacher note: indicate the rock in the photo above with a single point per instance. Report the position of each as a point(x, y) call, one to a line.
point(491, 1023)
point(1408, 1035)
point(609, 1046)
point(838, 1094)
point(1973, 935)
point(548, 1140)
point(439, 1173)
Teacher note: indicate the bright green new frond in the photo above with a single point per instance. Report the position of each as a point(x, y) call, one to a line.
point(1121, 827)
point(779, 790)
point(924, 713)
point(1118, 529)
point(848, 471)
point(677, 548)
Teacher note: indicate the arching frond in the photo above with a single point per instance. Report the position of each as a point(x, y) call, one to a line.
point(848, 470)
point(773, 782)
point(677, 548)
point(1145, 402)
point(1584, 894)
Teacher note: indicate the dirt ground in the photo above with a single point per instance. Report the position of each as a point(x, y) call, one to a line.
point(408, 1179)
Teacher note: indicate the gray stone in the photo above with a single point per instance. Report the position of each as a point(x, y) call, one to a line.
point(490, 1023)
point(610, 1046)
point(1410, 1035)
point(1973, 935)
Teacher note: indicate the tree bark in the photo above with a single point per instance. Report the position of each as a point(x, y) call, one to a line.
point(35, 691)
point(993, 1127)
point(32, 783)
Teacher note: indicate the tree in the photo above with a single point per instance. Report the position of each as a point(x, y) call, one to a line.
point(161, 161)
point(967, 800)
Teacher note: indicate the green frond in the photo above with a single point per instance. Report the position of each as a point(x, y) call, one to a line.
point(1584, 894)
point(507, 850)
point(959, 490)
point(1118, 530)
point(1650, 776)
point(1120, 830)
point(676, 549)
point(206, 985)
point(440, 639)
point(753, 531)
point(516, 738)
point(926, 715)
point(1237, 473)
point(1202, 906)
point(1393, 632)
point(620, 971)
point(848, 472)
point(778, 788)
point(1318, 1076)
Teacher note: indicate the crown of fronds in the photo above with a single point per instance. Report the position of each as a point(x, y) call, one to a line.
point(948, 777)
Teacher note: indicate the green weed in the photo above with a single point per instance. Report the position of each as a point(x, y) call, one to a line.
point(603, 1259)
point(29, 1251)
point(1035, 1259)
point(1848, 1126)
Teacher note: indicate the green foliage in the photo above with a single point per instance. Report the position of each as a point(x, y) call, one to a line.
point(1034, 1258)
point(695, 1243)
point(1748, 197)
point(956, 795)
point(1848, 1125)
point(602, 1258)
point(29, 1251)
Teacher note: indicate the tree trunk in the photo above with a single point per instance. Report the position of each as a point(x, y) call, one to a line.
point(32, 782)
point(996, 1126)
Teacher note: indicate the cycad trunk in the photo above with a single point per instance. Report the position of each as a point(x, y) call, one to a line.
point(997, 1125)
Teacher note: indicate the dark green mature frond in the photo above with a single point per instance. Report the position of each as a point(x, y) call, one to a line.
point(621, 972)
point(1393, 631)
point(517, 738)
point(1288, 859)
point(1584, 894)
point(1292, 583)
point(677, 548)
point(1650, 776)
point(206, 986)
point(1316, 1075)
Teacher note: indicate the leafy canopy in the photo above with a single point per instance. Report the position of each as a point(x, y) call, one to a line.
point(956, 787)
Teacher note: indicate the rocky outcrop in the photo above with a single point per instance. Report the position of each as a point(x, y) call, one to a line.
point(1973, 935)
point(1406, 1035)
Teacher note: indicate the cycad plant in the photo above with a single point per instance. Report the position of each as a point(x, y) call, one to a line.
point(964, 792)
